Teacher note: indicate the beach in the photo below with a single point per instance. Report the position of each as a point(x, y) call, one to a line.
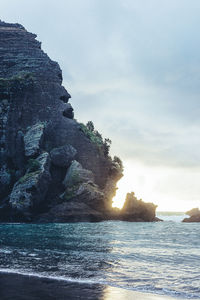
point(23, 287)
point(107, 260)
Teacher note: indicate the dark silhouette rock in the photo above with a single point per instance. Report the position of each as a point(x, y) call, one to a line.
point(194, 216)
point(135, 210)
point(71, 212)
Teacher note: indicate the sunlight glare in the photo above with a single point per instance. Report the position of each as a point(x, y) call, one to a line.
point(162, 186)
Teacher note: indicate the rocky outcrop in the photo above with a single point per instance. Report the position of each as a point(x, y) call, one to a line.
point(33, 139)
point(194, 216)
point(30, 190)
point(135, 210)
point(52, 168)
point(68, 111)
point(63, 156)
point(76, 175)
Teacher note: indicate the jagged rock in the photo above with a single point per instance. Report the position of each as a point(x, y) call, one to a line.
point(138, 211)
point(65, 98)
point(87, 192)
point(76, 175)
point(30, 190)
point(116, 172)
point(33, 139)
point(63, 156)
point(68, 112)
point(194, 216)
point(80, 187)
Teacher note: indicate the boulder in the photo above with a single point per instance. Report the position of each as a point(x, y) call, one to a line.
point(63, 156)
point(76, 174)
point(33, 138)
point(30, 190)
point(80, 187)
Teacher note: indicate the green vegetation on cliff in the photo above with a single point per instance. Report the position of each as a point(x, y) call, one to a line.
point(95, 137)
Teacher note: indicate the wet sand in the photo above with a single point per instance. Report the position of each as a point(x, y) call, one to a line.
point(21, 287)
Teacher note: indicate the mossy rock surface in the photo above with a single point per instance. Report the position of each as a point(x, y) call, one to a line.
point(76, 175)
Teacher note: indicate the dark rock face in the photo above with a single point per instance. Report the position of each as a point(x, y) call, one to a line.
point(194, 216)
point(40, 140)
point(30, 190)
point(71, 212)
point(68, 111)
point(33, 139)
point(63, 156)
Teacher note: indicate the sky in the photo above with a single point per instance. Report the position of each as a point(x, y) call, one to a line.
point(133, 68)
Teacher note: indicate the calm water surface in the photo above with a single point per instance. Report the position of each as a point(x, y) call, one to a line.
point(161, 258)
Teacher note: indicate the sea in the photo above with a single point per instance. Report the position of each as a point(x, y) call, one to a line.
point(160, 258)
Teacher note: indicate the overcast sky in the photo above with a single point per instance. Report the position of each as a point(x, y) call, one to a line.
point(133, 67)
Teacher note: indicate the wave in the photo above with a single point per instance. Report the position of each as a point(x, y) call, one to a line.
point(46, 276)
point(142, 289)
point(171, 216)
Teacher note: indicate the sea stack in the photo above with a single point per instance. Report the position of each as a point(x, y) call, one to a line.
point(194, 216)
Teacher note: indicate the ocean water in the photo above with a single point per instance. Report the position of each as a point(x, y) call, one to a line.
point(162, 258)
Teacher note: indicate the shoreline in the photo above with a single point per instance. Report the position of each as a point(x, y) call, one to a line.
point(32, 287)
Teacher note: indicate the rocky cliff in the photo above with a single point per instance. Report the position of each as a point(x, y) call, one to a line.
point(51, 167)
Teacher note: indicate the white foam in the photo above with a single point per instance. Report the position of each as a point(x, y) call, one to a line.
point(5, 251)
point(46, 276)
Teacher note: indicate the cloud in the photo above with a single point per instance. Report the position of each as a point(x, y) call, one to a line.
point(131, 66)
